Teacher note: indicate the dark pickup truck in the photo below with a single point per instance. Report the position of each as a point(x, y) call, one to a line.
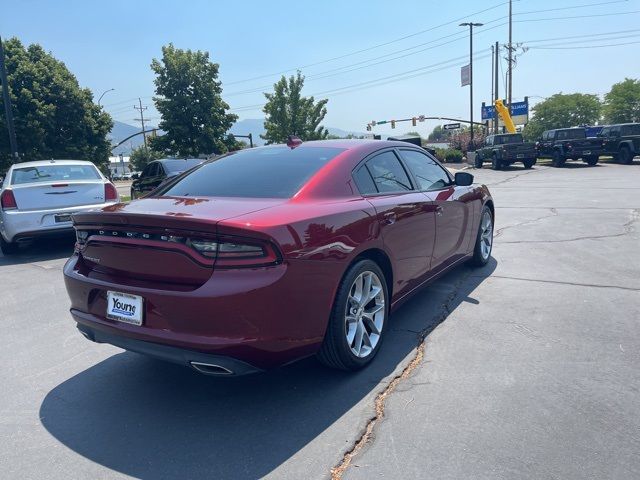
point(504, 149)
point(569, 143)
point(622, 141)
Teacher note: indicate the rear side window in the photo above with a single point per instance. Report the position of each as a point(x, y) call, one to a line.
point(573, 134)
point(388, 173)
point(270, 172)
point(631, 129)
point(364, 182)
point(428, 174)
point(178, 165)
point(54, 173)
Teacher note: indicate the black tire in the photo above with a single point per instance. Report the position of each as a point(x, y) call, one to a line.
point(133, 194)
point(530, 162)
point(495, 163)
point(558, 159)
point(335, 351)
point(478, 162)
point(479, 259)
point(591, 160)
point(8, 248)
point(625, 156)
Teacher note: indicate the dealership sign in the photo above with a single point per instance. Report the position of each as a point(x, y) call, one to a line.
point(519, 113)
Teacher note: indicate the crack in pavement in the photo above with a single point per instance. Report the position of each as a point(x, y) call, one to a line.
point(499, 231)
point(380, 401)
point(628, 228)
point(559, 282)
point(506, 180)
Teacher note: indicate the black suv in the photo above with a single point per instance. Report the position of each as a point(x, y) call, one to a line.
point(158, 172)
point(622, 141)
point(569, 143)
point(504, 149)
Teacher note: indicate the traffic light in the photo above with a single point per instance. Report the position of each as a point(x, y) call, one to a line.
point(368, 127)
point(413, 121)
point(393, 124)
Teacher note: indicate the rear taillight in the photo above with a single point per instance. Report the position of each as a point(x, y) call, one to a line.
point(110, 192)
point(8, 200)
point(230, 254)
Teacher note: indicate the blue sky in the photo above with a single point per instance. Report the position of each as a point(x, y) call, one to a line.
point(111, 44)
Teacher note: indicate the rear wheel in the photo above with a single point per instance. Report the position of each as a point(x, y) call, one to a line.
point(591, 160)
point(477, 162)
point(558, 159)
point(484, 239)
point(529, 163)
point(133, 194)
point(8, 248)
point(358, 318)
point(625, 156)
point(495, 163)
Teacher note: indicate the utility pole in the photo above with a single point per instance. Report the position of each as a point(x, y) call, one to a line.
point(493, 67)
point(497, 85)
point(142, 109)
point(471, 25)
point(7, 106)
point(510, 47)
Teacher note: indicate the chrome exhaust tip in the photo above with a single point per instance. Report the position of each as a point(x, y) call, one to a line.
point(210, 369)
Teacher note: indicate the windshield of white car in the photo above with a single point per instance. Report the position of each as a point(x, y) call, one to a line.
point(53, 173)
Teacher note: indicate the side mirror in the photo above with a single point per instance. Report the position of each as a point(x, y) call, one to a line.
point(463, 179)
point(135, 176)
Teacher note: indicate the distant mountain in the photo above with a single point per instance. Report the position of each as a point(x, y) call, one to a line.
point(119, 132)
point(253, 126)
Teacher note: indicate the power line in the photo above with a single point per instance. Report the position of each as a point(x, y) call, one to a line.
point(577, 16)
point(586, 46)
point(366, 49)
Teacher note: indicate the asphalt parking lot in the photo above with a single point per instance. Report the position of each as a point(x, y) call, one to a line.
point(530, 367)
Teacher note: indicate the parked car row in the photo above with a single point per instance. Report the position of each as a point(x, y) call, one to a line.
point(622, 142)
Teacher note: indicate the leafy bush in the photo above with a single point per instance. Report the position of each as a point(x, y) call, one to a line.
point(448, 155)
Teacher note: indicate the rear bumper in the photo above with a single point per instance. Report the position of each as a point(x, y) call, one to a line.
point(22, 225)
point(264, 317)
point(202, 362)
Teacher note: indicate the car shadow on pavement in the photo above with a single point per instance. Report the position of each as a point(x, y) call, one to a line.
point(41, 250)
point(150, 419)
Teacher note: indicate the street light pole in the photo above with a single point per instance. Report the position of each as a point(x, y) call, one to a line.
point(471, 25)
point(103, 94)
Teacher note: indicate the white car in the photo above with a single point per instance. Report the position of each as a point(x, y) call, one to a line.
point(38, 198)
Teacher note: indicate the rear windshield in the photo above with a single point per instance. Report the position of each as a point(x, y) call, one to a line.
point(272, 172)
point(572, 134)
point(507, 139)
point(181, 165)
point(54, 173)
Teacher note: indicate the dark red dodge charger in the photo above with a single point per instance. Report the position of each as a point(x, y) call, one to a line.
point(267, 255)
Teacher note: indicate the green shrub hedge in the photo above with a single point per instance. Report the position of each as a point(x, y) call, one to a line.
point(448, 155)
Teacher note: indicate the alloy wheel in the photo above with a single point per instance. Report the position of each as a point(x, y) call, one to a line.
point(486, 235)
point(364, 314)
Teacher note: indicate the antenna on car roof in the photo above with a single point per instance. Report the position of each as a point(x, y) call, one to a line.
point(293, 141)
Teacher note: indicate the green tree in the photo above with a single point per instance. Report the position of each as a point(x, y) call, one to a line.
point(559, 111)
point(189, 98)
point(439, 135)
point(53, 116)
point(141, 155)
point(622, 103)
point(287, 112)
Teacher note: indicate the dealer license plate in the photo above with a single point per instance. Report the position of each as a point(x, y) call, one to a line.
point(587, 152)
point(62, 217)
point(124, 307)
point(520, 155)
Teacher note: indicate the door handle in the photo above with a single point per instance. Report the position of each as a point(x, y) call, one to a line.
point(390, 218)
point(439, 210)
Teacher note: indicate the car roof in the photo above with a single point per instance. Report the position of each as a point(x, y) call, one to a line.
point(41, 163)
point(164, 160)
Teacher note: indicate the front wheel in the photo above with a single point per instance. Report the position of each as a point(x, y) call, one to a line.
point(358, 318)
point(477, 162)
point(495, 163)
point(484, 239)
point(591, 160)
point(529, 163)
point(625, 156)
point(133, 194)
point(558, 160)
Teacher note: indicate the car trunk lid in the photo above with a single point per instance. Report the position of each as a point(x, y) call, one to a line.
point(52, 195)
point(149, 239)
